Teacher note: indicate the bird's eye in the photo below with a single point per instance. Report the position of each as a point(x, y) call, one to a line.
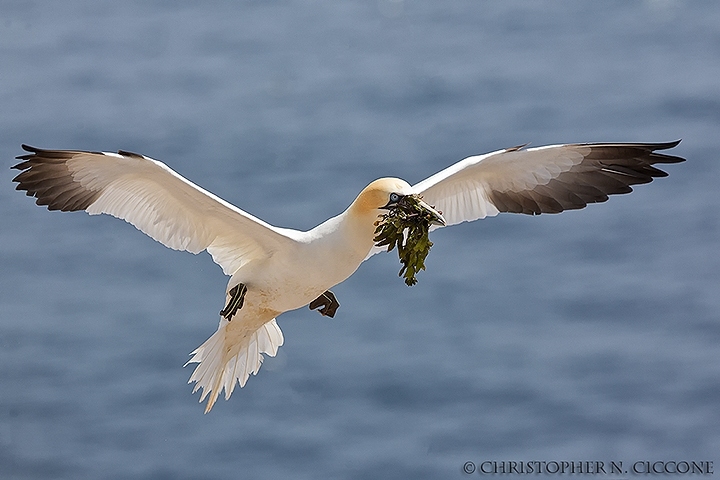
point(394, 197)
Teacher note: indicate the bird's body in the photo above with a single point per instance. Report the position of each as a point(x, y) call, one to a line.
point(273, 270)
point(313, 261)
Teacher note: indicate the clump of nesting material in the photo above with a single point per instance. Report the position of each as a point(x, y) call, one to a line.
point(406, 226)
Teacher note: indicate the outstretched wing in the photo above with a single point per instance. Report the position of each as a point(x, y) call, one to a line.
point(152, 197)
point(541, 180)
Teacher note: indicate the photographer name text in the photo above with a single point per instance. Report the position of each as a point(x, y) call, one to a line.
point(643, 467)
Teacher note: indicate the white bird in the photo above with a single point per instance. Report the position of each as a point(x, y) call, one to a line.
point(273, 270)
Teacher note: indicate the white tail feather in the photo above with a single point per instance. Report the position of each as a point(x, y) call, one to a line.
point(226, 358)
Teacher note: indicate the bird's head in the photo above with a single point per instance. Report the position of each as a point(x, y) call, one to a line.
point(389, 194)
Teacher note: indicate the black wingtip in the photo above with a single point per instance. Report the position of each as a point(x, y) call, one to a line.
point(664, 158)
point(27, 148)
point(125, 153)
point(22, 165)
point(667, 145)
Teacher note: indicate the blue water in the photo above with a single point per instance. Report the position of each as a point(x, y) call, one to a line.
point(590, 335)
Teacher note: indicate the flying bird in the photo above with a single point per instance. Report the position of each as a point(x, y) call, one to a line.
point(273, 270)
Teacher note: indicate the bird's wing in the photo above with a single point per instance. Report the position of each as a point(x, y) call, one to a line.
point(541, 180)
point(152, 197)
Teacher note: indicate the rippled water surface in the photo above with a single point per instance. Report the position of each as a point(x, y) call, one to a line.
point(590, 335)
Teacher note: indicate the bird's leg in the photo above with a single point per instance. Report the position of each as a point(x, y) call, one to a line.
point(328, 302)
point(237, 297)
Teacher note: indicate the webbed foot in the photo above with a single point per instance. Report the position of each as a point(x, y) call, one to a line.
point(328, 302)
point(237, 298)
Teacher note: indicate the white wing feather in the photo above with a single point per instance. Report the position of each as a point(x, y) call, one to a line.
point(541, 180)
point(153, 198)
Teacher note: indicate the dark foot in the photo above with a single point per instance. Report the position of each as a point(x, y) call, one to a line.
point(328, 302)
point(237, 297)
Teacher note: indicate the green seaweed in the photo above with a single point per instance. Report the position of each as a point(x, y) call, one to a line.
point(406, 226)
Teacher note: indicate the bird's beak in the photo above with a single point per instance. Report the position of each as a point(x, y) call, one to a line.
point(436, 217)
point(405, 201)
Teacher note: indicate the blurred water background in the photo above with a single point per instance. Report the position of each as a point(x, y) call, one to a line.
point(590, 335)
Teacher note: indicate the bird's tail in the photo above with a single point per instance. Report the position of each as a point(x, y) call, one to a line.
point(230, 356)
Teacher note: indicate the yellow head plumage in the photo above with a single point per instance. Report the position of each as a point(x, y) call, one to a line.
point(377, 195)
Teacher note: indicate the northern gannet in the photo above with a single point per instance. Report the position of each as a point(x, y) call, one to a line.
point(273, 270)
